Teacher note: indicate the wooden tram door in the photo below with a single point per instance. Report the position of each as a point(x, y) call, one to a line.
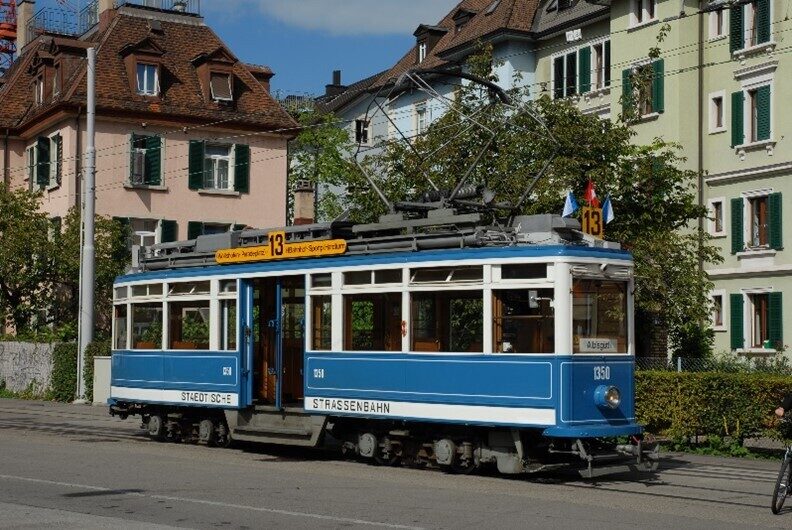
point(279, 311)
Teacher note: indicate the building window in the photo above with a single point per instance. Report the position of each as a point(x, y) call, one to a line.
point(147, 79)
point(750, 25)
point(46, 162)
point(643, 11)
point(717, 311)
point(362, 131)
point(716, 113)
point(752, 115)
point(716, 227)
point(421, 51)
point(601, 63)
point(38, 90)
point(717, 24)
point(221, 87)
point(643, 88)
point(759, 319)
point(758, 232)
point(145, 232)
point(217, 164)
point(56, 83)
point(421, 118)
point(145, 160)
point(565, 75)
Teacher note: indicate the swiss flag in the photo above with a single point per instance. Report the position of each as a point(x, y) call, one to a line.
point(591, 195)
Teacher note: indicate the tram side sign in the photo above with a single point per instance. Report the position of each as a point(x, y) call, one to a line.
point(278, 249)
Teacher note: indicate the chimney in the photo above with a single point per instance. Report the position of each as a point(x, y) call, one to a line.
point(25, 9)
point(336, 88)
point(304, 209)
point(105, 12)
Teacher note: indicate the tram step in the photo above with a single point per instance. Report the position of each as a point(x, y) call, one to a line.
point(273, 430)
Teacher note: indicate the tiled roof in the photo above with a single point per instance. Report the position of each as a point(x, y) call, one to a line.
point(491, 17)
point(552, 20)
point(182, 97)
point(333, 103)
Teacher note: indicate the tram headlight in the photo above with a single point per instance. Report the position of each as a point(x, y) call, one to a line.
point(607, 397)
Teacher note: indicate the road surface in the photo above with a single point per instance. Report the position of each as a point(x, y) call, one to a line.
point(70, 466)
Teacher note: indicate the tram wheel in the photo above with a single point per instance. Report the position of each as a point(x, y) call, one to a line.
point(223, 436)
point(156, 427)
point(207, 432)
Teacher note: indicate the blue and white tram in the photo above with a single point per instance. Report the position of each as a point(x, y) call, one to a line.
point(518, 354)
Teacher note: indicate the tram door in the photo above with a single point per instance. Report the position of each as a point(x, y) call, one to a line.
point(279, 312)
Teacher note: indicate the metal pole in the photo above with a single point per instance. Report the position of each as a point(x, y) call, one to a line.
point(87, 279)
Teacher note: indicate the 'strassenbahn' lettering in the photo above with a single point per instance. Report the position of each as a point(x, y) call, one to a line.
point(347, 405)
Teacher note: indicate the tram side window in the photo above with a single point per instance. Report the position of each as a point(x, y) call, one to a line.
point(147, 326)
point(322, 319)
point(189, 325)
point(523, 321)
point(228, 324)
point(372, 322)
point(449, 321)
point(120, 325)
point(599, 316)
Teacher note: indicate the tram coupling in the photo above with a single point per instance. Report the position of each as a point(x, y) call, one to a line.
point(636, 456)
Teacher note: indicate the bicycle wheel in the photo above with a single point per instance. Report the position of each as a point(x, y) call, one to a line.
point(782, 486)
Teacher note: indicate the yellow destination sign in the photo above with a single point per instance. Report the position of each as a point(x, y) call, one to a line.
point(279, 249)
point(593, 222)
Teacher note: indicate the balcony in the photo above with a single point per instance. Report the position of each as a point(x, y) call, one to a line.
point(192, 7)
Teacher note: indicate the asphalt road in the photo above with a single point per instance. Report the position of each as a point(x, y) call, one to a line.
point(69, 466)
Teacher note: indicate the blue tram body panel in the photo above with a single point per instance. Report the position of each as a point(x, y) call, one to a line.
point(189, 378)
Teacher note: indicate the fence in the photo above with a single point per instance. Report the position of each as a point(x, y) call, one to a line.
point(779, 364)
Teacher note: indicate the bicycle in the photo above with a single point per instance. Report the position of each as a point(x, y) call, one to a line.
point(783, 485)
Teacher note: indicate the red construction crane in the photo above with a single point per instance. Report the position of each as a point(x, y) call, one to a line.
point(8, 33)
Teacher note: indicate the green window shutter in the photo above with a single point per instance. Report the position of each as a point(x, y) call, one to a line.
point(169, 231)
point(58, 141)
point(584, 56)
point(196, 164)
point(763, 113)
point(738, 132)
point(154, 160)
point(194, 229)
point(607, 63)
point(242, 168)
point(43, 159)
point(658, 85)
point(775, 222)
point(736, 321)
point(775, 320)
point(738, 245)
point(737, 28)
point(627, 91)
point(762, 21)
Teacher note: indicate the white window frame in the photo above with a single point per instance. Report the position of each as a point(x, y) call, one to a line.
point(563, 56)
point(422, 117)
point(53, 163)
point(230, 87)
point(748, 311)
point(144, 91)
point(724, 310)
point(595, 86)
point(641, 14)
point(747, 236)
point(156, 234)
point(713, 116)
point(365, 126)
point(231, 166)
point(712, 226)
point(38, 90)
point(422, 51)
point(715, 32)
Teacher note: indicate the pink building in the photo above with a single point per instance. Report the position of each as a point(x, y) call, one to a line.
point(189, 140)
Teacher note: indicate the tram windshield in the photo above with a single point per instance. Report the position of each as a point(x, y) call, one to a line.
point(599, 321)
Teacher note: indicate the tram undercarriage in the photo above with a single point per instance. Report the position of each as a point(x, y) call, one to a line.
point(451, 448)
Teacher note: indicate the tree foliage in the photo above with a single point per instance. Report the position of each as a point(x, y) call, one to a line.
point(654, 197)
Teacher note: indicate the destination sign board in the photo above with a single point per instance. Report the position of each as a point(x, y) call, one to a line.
point(278, 249)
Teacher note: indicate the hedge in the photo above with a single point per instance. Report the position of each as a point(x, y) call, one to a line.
point(686, 404)
point(63, 385)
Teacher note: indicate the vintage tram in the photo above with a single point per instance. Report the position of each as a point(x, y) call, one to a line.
point(432, 341)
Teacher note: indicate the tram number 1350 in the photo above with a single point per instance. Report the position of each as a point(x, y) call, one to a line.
point(602, 373)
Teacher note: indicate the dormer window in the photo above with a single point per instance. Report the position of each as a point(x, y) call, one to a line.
point(220, 85)
point(147, 79)
point(421, 51)
point(38, 90)
point(56, 83)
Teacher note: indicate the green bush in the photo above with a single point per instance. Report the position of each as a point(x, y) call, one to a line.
point(98, 348)
point(687, 404)
point(63, 385)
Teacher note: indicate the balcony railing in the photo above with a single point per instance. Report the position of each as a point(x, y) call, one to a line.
point(51, 20)
point(192, 7)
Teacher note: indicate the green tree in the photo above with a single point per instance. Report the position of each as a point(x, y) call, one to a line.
point(654, 197)
point(320, 154)
point(112, 259)
point(27, 258)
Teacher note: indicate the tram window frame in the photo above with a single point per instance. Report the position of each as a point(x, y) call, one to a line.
point(121, 327)
point(436, 275)
point(545, 315)
point(176, 289)
point(509, 272)
point(136, 338)
point(623, 339)
point(321, 329)
point(227, 325)
point(177, 339)
point(441, 338)
point(321, 282)
point(383, 325)
point(371, 277)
